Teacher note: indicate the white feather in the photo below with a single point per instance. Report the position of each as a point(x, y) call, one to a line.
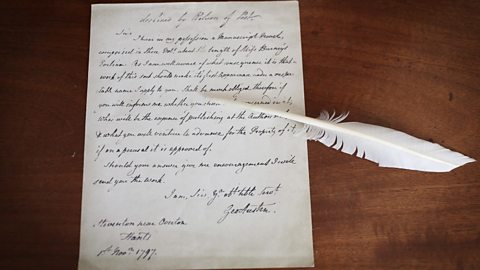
point(385, 146)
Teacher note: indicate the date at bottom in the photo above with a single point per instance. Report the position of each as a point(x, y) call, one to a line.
point(140, 254)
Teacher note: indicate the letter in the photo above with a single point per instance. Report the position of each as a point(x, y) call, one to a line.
point(167, 169)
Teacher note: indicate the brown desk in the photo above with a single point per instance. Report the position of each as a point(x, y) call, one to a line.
point(410, 66)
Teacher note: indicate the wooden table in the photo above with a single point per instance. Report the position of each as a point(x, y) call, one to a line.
point(409, 65)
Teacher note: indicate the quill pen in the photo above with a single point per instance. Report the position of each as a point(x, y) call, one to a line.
point(385, 146)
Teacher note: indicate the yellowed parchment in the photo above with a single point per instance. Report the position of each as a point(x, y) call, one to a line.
point(173, 180)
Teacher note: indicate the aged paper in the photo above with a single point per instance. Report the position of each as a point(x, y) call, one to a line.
point(173, 180)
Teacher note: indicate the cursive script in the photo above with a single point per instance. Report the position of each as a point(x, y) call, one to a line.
point(171, 176)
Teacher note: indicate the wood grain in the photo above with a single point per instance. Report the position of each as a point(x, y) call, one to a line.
point(409, 65)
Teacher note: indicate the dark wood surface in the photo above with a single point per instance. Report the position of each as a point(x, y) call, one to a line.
point(409, 65)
